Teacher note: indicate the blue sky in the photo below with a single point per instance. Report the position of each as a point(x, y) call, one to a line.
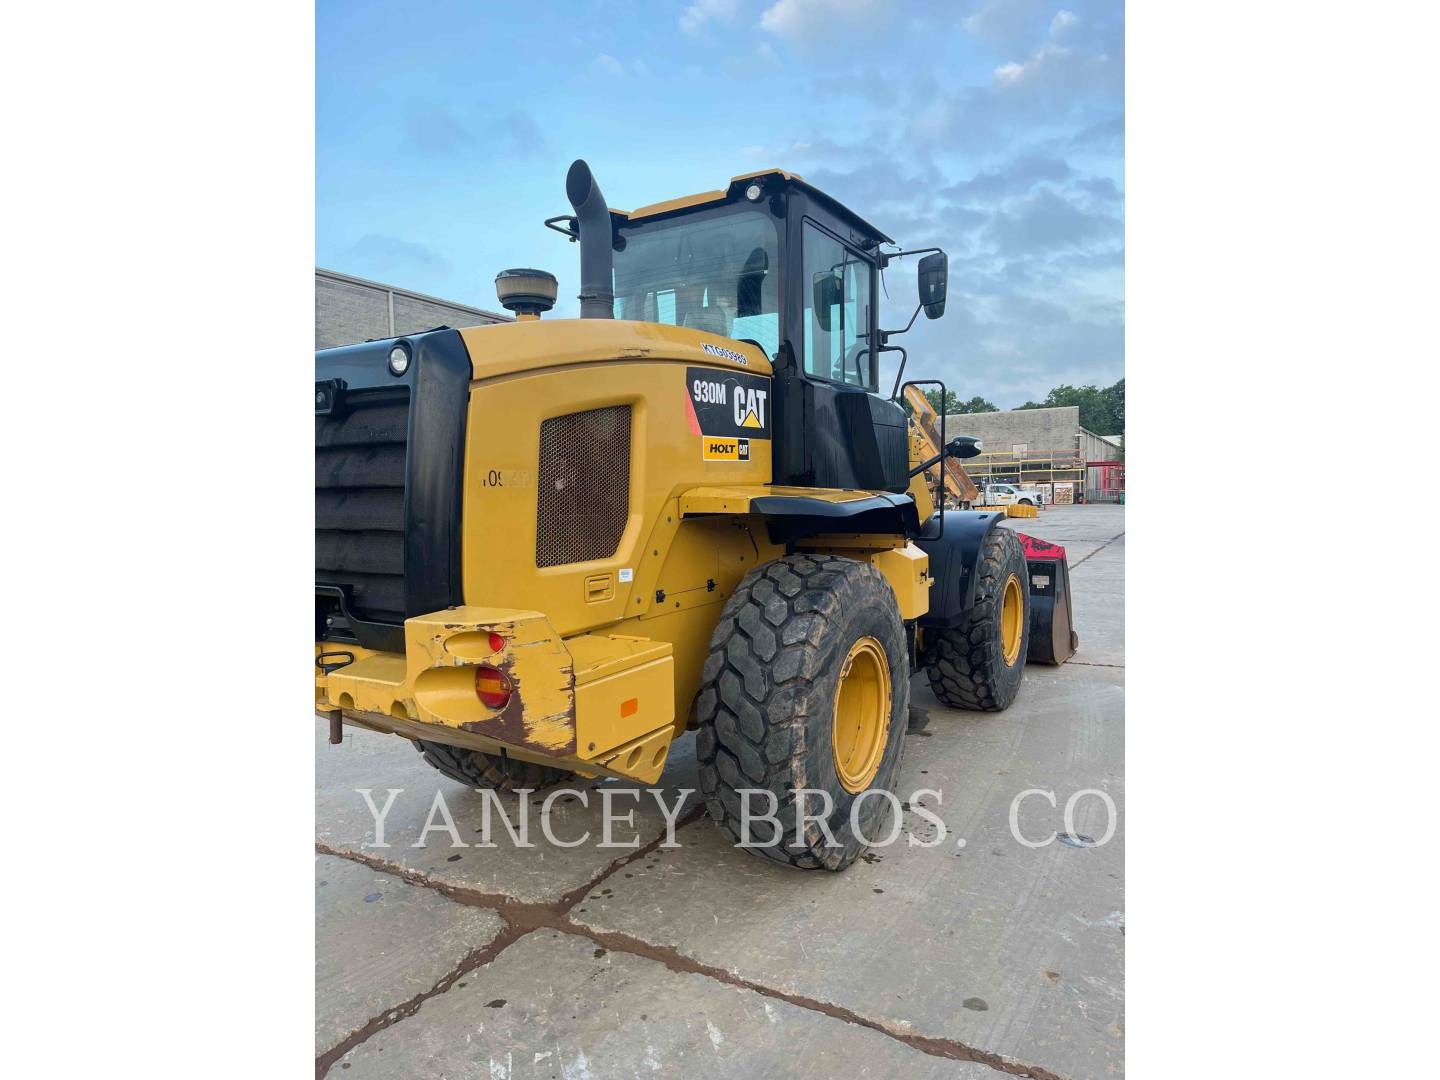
point(994, 129)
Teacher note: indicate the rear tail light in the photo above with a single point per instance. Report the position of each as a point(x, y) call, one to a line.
point(492, 686)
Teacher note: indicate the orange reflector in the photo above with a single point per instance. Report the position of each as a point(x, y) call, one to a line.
point(492, 686)
point(629, 707)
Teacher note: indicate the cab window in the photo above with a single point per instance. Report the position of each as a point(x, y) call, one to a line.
point(837, 291)
point(709, 272)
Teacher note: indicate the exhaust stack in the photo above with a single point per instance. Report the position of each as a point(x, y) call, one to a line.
point(597, 292)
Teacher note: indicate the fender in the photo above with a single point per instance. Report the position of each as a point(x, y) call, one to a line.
point(792, 517)
point(953, 558)
point(796, 513)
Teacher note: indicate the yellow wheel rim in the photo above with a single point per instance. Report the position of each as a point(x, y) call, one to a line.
point(862, 715)
point(1012, 619)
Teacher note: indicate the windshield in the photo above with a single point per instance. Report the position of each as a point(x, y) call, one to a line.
point(717, 273)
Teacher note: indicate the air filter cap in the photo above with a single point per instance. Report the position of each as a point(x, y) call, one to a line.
point(526, 291)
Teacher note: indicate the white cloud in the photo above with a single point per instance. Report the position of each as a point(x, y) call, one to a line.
point(606, 64)
point(1055, 71)
point(803, 20)
point(1006, 23)
point(695, 18)
point(1063, 21)
point(1009, 73)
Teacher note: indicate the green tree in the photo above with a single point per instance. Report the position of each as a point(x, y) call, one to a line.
point(1115, 399)
point(952, 403)
point(974, 405)
point(949, 405)
point(1101, 411)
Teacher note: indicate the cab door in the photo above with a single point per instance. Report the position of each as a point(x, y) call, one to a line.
point(847, 434)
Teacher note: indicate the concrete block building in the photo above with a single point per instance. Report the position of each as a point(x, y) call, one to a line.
point(1046, 448)
point(349, 310)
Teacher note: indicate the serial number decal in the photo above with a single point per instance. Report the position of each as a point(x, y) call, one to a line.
point(502, 478)
point(727, 404)
point(728, 354)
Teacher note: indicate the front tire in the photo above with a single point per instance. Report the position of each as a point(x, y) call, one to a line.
point(806, 687)
point(978, 665)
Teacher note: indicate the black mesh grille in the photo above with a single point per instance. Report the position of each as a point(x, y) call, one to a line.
point(360, 502)
point(583, 499)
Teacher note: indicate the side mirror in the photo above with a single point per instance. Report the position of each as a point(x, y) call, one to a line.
point(963, 446)
point(829, 292)
point(934, 272)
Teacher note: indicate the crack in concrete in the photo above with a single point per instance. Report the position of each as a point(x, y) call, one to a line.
point(1087, 663)
point(1099, 549)
point(472, 960)
point(522, 917)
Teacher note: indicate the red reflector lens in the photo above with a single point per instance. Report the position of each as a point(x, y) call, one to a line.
point(492, 687)
point(496, 642)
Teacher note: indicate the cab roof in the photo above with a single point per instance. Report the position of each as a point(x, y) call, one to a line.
point(735, 190)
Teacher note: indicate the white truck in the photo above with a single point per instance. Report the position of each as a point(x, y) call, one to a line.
point(1006, 494)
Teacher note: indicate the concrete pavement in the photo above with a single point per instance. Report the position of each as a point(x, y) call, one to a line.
point(953, 959)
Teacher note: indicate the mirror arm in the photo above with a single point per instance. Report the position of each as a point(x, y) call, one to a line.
point(895, 333)
point(927, 465)
point(901, 254)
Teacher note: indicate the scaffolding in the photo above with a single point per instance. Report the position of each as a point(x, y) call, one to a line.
point(1028, 467)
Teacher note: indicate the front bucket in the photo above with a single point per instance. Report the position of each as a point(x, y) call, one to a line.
point(1052, 632)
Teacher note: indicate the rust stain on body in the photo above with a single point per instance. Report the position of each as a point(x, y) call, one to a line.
point(550, 733)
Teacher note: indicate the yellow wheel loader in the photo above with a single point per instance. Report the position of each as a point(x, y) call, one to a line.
point(547, 547)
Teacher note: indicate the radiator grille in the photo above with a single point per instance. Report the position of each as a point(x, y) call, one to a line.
point(583, 498)
point(360, 502)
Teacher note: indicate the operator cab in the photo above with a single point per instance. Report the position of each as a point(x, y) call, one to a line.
point(774, 262)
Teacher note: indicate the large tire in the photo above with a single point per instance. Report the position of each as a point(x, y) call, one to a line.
point(767, 706)
point(477, 770)
point(967, 666)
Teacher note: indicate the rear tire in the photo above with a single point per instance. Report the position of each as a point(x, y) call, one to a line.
point(477, 770)
point(969, 666)
point(805, 640)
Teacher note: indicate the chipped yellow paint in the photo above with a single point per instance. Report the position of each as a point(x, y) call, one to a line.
point(430, 691)
point(552, 732)
point(443, 649)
